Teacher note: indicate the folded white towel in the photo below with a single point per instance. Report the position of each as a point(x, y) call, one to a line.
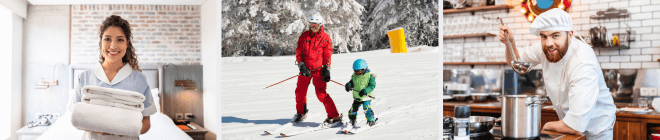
point(110, 93)
point(107, 119)
point(115, 103)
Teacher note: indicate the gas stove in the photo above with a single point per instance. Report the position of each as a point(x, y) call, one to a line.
point(495, 134)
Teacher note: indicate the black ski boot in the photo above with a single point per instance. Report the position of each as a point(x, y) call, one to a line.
point(334, 120)
point(300, 117)
point(352, 122)
point(372, 123)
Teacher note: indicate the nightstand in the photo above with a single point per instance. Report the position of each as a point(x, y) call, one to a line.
point(197, 134)
point(33, 133)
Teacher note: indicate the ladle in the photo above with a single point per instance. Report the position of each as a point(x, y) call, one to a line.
point(518, 66)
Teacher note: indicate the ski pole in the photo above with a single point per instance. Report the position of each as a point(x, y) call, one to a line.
point(282, 81)
point(337, 83)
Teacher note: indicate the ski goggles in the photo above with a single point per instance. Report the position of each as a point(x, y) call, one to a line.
point(314, 25)
point(360, 72)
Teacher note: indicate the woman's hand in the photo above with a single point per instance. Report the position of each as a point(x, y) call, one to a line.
point(146, 124)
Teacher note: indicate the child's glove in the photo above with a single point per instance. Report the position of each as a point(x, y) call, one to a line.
point(348, 86)
point(362, 93)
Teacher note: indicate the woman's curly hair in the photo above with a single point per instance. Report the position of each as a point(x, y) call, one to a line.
point(117, 21)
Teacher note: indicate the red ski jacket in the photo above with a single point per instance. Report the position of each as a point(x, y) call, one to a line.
point(314, 48)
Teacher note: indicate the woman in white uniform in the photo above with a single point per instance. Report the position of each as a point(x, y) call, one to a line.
point(573, 77)
point(117, 68)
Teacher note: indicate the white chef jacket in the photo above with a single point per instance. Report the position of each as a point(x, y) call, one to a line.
point(576, 87)
point(126, 79)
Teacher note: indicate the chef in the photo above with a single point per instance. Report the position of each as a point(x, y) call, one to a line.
point(573, 77)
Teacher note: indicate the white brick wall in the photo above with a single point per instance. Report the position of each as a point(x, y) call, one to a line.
point(161, 33)
point(644, 20)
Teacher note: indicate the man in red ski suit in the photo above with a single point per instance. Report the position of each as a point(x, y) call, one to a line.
point(313, 56)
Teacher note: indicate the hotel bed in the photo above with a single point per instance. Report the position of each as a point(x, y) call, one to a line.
point(162, 126)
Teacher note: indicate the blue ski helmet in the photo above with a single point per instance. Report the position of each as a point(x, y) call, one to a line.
point(359, 64)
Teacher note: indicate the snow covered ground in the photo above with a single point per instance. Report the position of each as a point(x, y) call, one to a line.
point(407, 87)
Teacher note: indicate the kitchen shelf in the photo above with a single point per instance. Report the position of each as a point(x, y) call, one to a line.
point(474, 63)
point(469, 35)
point(480, 8)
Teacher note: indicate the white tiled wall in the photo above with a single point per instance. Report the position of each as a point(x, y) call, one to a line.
point(644, 20)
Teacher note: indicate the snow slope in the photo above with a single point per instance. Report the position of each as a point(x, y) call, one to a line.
point(406, 91)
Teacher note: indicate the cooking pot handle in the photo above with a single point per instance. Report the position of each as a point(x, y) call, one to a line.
point(536, 102)
point(499, 98)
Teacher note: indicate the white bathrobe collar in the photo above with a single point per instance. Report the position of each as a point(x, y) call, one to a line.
point(124, 72)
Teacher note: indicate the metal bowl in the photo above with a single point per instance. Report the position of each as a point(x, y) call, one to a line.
point(479, 124)
point(479, 97)
point(460, 97)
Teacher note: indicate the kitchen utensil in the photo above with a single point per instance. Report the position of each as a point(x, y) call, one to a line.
point(643, 102)
point(479, 124)
point(462, 122)
point(521, 115)
point(479, 97)
point(463, 4)
point(447, 5)
point(460, 97)
point(447, 127)
point(518, 66)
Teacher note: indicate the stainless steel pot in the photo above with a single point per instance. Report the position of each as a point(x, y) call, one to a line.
point(521, 115)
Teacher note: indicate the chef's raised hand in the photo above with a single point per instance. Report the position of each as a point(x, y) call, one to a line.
point(560, 126)
point(503, 37)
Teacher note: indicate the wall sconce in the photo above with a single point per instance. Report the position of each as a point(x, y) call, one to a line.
point(185, 84)
point(45, 84)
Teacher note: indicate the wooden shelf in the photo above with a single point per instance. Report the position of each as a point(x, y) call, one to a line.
point(469, 35)
point(474, 63)
point(480, 8)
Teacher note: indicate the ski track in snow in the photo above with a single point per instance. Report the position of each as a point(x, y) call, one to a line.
point(406, 96)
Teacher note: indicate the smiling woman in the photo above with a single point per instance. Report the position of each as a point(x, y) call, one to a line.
point(116, 70)
point(115, 35)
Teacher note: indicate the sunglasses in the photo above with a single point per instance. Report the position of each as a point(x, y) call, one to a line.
point(360, 72)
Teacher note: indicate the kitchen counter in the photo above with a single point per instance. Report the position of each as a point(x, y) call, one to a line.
point(627, 126)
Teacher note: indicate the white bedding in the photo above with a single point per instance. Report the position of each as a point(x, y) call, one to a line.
point(162, 128)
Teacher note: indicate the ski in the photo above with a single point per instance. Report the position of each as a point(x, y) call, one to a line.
point(287, 125)
point(365, 127)
point(322, 126)
point(348, 127)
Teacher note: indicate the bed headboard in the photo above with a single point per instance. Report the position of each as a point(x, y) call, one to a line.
point(153, 72)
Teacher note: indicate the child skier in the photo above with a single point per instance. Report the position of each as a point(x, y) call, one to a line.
point(362, 83)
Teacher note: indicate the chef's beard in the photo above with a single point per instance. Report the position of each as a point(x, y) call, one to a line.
point(555, 57)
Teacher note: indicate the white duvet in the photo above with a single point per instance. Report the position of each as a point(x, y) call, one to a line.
point(162, 128)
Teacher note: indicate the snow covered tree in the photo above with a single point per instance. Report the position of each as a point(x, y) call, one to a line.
point(419, 18)
point(272, 27)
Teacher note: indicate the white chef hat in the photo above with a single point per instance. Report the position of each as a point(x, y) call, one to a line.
point(552, 20)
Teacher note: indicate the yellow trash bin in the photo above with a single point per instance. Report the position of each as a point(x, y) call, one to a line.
point(397, 40)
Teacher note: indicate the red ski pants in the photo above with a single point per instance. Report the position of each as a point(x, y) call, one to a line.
point(320, 86)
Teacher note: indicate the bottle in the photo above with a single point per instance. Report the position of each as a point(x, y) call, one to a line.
point(447, 128)
point(461, 122)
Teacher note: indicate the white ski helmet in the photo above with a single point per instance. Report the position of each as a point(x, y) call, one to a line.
point(316, 18)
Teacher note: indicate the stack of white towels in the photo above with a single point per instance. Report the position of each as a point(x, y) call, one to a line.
point(108, 110)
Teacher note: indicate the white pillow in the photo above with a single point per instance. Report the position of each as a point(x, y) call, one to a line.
point(154, 94)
